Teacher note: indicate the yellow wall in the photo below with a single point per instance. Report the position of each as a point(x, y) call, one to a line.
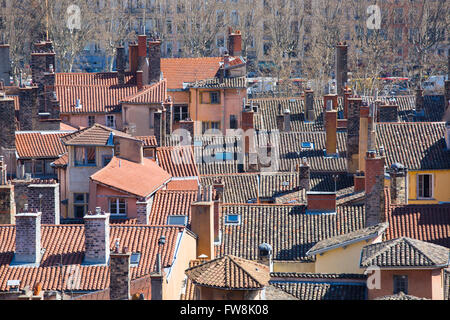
point(441, 186)
point(291, 266)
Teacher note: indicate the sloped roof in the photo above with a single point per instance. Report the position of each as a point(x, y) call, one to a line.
point(62, 161)
point(140, 179)
point(179, 70)
point(178, 161)
point(404, 252)
point(400, 296)
point(171, 203)
point(92, 79)
point(214, 83)
point(230, 273)
point(97, 135)
point(68, 241)
point(348, 238)
point(149, 141)
point(40, 144)
point(418, 146)
point(155, 93)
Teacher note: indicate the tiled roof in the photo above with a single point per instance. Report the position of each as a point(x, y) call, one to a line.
point(179, 70)
point(140, 179)
point(151, 94)
point(189, 184)
point(230, 272)
point(400, 296)
point(39, 144)
point(418, 146)
point(404, 252)
point(314, 286)
point(149, 141)
point(92, 79)
point(171, 203)
point(213, 83)
point(286, 228)
point(429, 223)
point(67, 242)
point(67, 127)
point(16, 101)
point(348, 238)
point(189, 293)
point(178, 161)
point(62, 161)
point(97, 135)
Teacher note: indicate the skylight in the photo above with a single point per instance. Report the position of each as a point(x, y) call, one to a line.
point(135, 258)
point(177, 220)
point(307, 145)
point(233, 219)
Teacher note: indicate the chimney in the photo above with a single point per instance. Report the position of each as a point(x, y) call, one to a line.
point(304, 174)
point(359, 181)
point(363, 136)
point(28, 238)
point(419, 102)
point(29, 108)
point(139, 79)
point(248, 119)
point(44, 197)
point(133, 57)
point(5, 64)
point(158, 281)
point(7, 123)
point(331, 131)
point(143, 211)
point(330, 100)
point(159, 128)
point(202, 224)
point(154, 61)
point(398, 174)
point(280, 122)
point(374, 186)
point(187, 125)
point(96, 231)
point(287, 120)
point(42, 59)
point(120, 64)
point(371, 127)
point(353, 122)
point(218, 187)
point(347, 95)
point(119, 276)
point(341, 67)
point(321, 202)
point(309, 105)
point(234, 43)
point(388, 113)
point(143, 63)
point(265, 254)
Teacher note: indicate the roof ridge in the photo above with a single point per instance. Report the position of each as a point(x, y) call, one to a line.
point(387, 245)
point(234, 258)
point(413, 243)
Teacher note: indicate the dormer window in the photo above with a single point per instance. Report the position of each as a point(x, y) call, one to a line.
point(233, 219)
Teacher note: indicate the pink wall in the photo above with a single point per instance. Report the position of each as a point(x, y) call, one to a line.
point(82, 119)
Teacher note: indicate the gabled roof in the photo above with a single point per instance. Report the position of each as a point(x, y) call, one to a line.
point(418, 146)
point(40, 144)
point(97, 135)
point(230, 273)
point(62, 161)
point(179, 70)
point(92, 79)
point(171, 203)
point(152, 94)
point(404, 252)
point(347, 239)
point(68, 242)
point(178, 161)
point(140, 179)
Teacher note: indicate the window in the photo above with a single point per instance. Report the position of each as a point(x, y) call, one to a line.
point(169, 26)
point(220, 41)
point(234, 17)
point(134, 259)
point(233, 219)
point(214, 97)
point(425, 186)
point(210, 97)
point(307, 145)
point(149, 153)
point(400, 284)
point(80, 204)
point(169, 49)
point(111, 121)
point(106, 159)
point(151, 119)
point(207, 125)
point(177, 220)
point(233, 122)
point(91, 121)
point(39, 167)
point(48, 168)
point(28, 167)
point(118, 206)
point(180, 113)
point(85, 156)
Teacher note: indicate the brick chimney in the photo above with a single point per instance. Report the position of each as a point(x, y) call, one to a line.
point(248, 119)
point(133, 56)
point(341, 67)
point(388, 113)
point(399, 193)
point(202, 224)
point(359, 181)
point(7, 203)
point(265, 255)
point(28, 238)
point(234, 43)
point(154, 61)
point(7, 123)
point(347, 95)
point(363, 136)
point(44, 197)
point(304, 174)
point(287, 120)
point(96, 226)
point(143, 63)
point(29, 108)
point(143, 211)
point(5, 64)
point(139, 79)
point(280, 122)
point(218, 189)
point(419, 101)
point(321, 202)
point(330, 100)
point(42, 61)
point(374, 186)
point(331, 131)
point(309, 105)
point(119, 275)
point(120, 64)
point(354, 106)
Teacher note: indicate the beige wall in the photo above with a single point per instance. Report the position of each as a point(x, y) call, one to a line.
point(207, 293)
point(139, 115)
point(291, 266)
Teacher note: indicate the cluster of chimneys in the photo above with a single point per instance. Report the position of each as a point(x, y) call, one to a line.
point(144, 61)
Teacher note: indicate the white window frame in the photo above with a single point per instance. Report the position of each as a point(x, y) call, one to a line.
point(117, 201)
point(114, 121)
point(419, 197)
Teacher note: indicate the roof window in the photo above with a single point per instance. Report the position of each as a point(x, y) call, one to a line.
point(177, 220)
point(233, 219)
point(135, 258)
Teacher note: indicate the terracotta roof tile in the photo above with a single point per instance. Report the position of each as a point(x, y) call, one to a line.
point(149, 141)
point(97, 135)
point(62, 161)
point(178, 161)
point(171, 203)
point(155, 93)
point(140, 179)
point(191, 185)
point(230, 272)
point(40, 144)
point(92, 79)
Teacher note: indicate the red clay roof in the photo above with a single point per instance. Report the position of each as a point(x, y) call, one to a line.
point(40, 144)
point(171, 203)
point(178, 161)
point(149, 141)
point(155, 93)
point(97, 135)
point(62, 161)
point(179, 70)
point(92, 79)
point(131, 177)
point(16, 101)
point(67, 241)
point(191, 184)
point(429, 223)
